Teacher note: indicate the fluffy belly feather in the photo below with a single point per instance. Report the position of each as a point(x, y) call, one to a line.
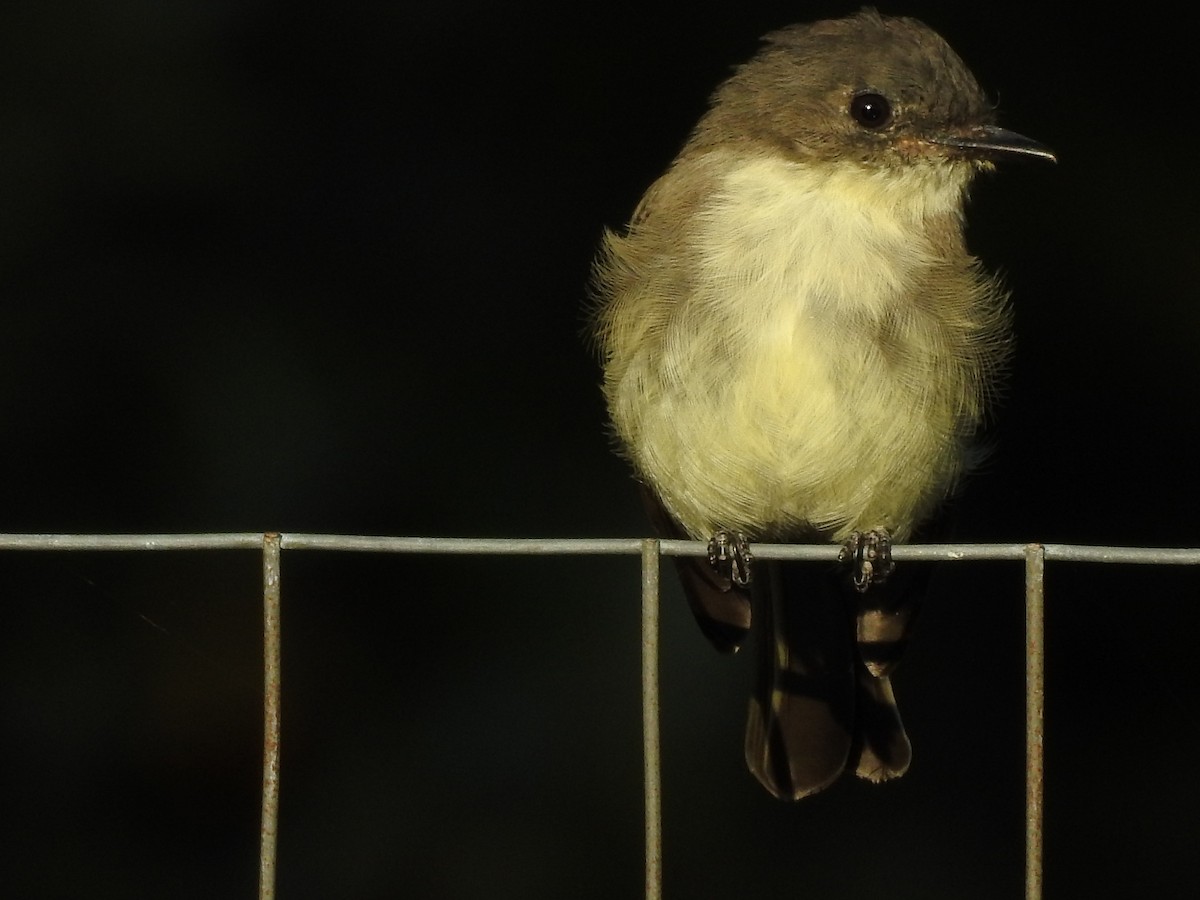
point(803, 381)
point(790, 440)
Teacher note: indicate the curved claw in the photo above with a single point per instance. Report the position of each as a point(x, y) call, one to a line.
point(729, 554)
point(870, 556)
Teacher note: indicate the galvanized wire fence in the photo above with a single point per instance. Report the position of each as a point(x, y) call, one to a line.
point(271, 545)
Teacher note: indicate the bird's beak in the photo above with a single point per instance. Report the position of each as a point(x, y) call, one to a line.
point(990, 142)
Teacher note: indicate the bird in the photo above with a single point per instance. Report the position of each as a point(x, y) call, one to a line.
point(797, 346)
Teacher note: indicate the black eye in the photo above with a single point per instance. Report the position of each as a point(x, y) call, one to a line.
point(871, 110)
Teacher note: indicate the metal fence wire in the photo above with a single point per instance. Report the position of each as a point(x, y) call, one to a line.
point(272, 544)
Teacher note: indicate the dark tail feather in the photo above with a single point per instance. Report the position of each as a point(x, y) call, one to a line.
point(822, 701)
point(884, 619)
point(882, 750)
point(721, 608)
point(800, 726)
point(885, 615)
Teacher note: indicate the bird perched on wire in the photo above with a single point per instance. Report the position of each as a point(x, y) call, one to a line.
point(797, 346)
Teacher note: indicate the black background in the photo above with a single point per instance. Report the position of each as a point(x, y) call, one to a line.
point(321, 268)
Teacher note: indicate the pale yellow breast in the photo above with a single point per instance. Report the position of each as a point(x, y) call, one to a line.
point(797, 383)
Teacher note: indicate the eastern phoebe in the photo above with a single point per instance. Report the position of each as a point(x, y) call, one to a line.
point(797, 346)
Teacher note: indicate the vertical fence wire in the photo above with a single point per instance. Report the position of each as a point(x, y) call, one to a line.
point(651, 551)
point(1035, 710)
point(272, 695)
point(651, 748)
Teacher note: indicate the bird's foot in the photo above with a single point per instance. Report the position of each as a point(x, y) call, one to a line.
point(729, 554)
point(869, 554)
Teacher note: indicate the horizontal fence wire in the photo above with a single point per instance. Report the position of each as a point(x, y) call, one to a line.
point(271, 544)
point(580, 547)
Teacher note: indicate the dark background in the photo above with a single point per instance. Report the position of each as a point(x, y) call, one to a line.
point(321, 268)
